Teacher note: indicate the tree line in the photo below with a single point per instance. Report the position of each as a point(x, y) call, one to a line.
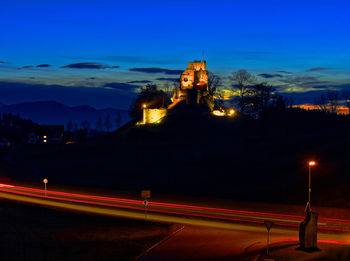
point(250, 96)
point(102, 125)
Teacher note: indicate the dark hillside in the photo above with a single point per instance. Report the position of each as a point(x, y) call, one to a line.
point(240, 157)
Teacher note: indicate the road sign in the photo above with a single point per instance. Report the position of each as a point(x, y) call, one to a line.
point(145, 202)
point(268, 224)
point(145, 194)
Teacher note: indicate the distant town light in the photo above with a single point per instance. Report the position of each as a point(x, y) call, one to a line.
point(144, 105)
point(231, 112)
point(45, 137)
point(45, 141)
point(312, 163)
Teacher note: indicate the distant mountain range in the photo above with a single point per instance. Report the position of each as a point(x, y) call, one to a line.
point(52, 112)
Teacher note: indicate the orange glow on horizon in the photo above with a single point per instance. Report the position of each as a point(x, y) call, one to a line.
point(310, 107)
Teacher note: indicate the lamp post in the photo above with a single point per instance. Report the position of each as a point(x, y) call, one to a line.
point(311, 163)
point(45, 182)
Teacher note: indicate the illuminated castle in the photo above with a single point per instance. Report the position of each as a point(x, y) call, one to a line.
point(193, 91)
point(193, 87)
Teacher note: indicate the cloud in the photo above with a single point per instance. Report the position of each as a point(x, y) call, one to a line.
point(267, 75)
point(156, 70)
point(285, 72)
point(299, 80)
point(91, 78)
point(88, 65)
point(143, 81)
point(168, 79)
point(120, 86)
point(2, 62)
point(27, 67)
point(44, 65)
point(125, 59)
point(115, 66)
point(317, 69)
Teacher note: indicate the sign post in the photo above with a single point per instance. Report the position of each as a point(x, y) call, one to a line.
point(268, 225)
point(145, 194)
point(45, 182)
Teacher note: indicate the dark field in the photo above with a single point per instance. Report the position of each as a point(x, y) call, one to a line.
point(36, 233)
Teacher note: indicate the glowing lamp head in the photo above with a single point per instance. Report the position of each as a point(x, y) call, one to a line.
point(144, 106)
point(312, 163)
point(232, 111)
point(45, 181)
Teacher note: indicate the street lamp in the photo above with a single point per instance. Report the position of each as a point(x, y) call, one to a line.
point(311, 164)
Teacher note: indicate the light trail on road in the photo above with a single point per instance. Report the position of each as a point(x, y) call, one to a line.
point(161, 211)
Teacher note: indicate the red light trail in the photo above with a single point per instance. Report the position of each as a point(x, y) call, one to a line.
point(330, 224)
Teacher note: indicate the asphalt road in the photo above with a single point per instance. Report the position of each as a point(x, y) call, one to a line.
point(211, 233)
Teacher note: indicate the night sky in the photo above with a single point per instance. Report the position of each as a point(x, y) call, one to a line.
point(99, 52)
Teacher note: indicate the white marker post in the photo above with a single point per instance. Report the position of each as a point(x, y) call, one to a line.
point(268, 225)
point(45, 182)
point(145, 202)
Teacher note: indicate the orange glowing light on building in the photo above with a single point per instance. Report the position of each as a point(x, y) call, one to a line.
point(231, 112)
point(218, 113)
point(45, 181)
point(144, 105)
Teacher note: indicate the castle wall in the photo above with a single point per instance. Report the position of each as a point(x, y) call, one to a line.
point(153, 115)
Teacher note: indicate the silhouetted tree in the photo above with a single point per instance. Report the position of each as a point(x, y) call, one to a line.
point(321, 102)
point(214, 81)
point(99, 124)
point(108, 124)
point(75, 126)
point(69, 126)
point(328, 102)
point(85, 125)
point(241, 80)
point(260, 98)
point(333, 101)
point(118, 120)
point(152, 97)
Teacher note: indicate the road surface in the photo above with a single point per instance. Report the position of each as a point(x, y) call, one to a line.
point(210, 232)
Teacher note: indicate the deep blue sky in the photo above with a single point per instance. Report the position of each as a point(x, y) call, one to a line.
point(302, 47)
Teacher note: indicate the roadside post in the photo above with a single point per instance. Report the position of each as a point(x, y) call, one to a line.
point(145, 194)
point(268, 225)
point(45, 182)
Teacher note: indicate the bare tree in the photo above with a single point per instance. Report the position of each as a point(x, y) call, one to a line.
point(69, 126)
point(118, 120)
point(328, 102)
point(333, 101)
point(261, 97)
point(321, 102)
point(85, 125)
point(241, 80)
point(108, 124)
point(214, 81)
point(99, 124)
